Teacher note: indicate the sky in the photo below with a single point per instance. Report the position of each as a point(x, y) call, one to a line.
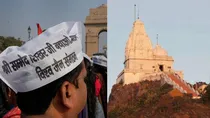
point(17, 15)
point(182, 26)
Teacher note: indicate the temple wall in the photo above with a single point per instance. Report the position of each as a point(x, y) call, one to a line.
point(132, 77)
point(149, 65)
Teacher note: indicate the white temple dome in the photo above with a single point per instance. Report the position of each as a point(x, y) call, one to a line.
point(159, 51)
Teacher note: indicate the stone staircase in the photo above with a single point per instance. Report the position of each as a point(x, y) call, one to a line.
point(182, 84)
point(174, 80)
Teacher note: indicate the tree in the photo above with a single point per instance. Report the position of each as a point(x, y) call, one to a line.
point(9, 41)
point(208, 92)
point(206, 95)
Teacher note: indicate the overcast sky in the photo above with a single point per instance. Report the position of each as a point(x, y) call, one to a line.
point(17, 15)
point(183, 28)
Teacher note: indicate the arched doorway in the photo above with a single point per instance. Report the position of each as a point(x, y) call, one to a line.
point(102, 44)
point(96, 24)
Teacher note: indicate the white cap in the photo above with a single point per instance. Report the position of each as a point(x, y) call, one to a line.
point(100, 60)
point(44, 59)
point(88, 58)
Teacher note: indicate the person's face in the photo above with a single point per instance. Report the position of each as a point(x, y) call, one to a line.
point(81, 92)
point(71, 100)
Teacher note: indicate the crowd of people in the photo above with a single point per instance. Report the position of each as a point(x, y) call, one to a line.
point(59, 82)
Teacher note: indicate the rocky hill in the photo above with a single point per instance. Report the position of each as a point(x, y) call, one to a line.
point(152, 99)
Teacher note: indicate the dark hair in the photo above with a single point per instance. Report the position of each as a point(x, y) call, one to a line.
point(4, 105)
point(102, 70)
point(36, 102)
point(90, 82)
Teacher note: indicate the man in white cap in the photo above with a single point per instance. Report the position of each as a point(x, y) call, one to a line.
point(48, 73)
point(100, 70)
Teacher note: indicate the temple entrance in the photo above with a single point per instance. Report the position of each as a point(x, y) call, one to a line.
point(161, 67)
point(96, 25)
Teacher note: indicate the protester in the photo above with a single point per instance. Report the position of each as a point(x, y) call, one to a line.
point(88, 112)
point(13, 113)
point(100, 71)
point(48, 78)
point(4, 99)
point(96, 87)
point(7, 99)
point(91, 100)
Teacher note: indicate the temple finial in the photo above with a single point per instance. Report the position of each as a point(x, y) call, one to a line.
point(134, 12)
point(157, 39)
point(138, 12)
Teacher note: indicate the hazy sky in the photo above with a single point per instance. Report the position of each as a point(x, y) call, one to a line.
point(183, 28)
point(17, 15)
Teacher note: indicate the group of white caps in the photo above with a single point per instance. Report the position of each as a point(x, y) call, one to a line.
point(46, 58)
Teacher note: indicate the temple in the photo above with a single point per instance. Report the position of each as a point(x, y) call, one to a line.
point(142, 59)
point(145, 62)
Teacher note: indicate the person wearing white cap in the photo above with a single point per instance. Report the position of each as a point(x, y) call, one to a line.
point(85, 112)
point(100, 79)
point(4, 98)
point(48, 72)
